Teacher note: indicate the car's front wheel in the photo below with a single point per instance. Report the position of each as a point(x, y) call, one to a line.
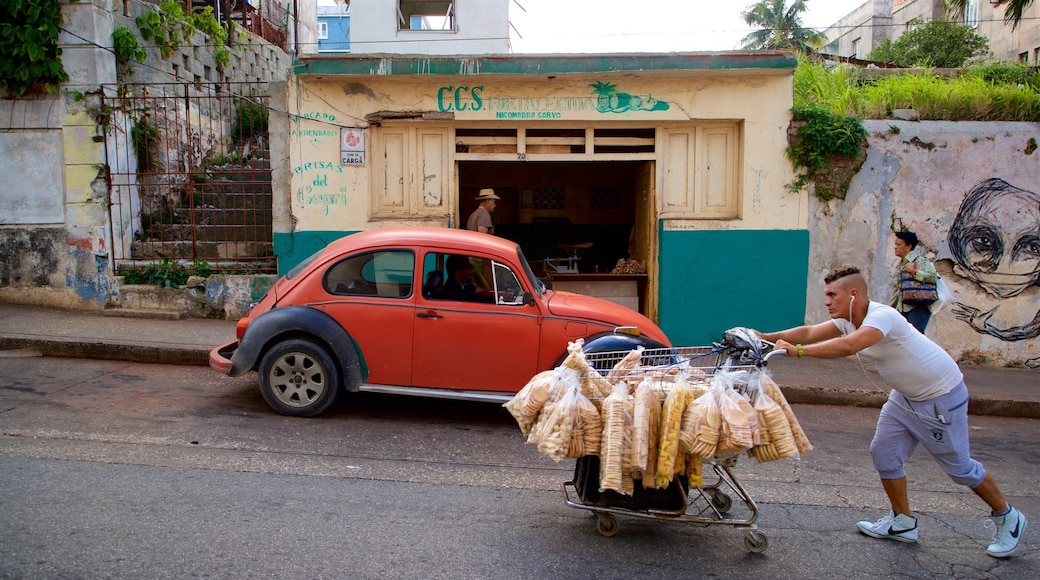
point(298, 377)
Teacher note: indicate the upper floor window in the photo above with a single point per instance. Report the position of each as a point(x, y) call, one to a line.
point(323, 30)
point(971, 13)
point(426, 14)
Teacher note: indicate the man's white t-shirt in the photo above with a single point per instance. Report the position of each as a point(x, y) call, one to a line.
point(909, 362)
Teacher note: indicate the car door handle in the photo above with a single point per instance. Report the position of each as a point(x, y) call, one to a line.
point(429, 315)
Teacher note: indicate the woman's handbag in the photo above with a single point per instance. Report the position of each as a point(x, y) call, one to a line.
point(914, 292)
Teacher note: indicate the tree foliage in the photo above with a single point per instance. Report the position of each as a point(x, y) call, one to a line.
point(1012, 11)
point(939, 43)
point(30, 60)
point(781, 27)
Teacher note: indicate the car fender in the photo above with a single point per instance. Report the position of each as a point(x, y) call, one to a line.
point(614, 341)
point(298, 321)
point(619, 341)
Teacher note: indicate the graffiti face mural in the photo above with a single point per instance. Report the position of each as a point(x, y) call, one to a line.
point(995, 241)
point(995, 238)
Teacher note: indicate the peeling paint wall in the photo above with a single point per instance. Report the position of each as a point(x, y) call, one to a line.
point(55, 232)
point(971, 192)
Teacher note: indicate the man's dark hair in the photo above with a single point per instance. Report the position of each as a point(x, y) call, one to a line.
point(909, 238)
point(839, 273)
point(456, 262)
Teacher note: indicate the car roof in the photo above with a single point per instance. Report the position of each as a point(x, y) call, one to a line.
point(423, 236)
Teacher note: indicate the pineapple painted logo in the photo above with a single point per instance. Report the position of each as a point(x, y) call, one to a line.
point(608, 100)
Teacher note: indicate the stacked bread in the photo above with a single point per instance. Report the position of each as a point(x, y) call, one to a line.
point(652, 423)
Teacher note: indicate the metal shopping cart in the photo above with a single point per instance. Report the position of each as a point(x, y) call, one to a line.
point(721, 500)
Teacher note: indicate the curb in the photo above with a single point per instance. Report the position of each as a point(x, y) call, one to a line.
point(977, 404)
point(199, 356)
point(156, 354)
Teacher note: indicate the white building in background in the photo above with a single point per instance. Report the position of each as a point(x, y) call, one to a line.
point(434, 27)
point(863, 29)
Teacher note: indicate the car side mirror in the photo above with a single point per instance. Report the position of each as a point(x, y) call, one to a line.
point(528, 299)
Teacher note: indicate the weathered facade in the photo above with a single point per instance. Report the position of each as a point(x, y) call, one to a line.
point(58, 244)
point(863, 29)
point(675, 161)
point(970, 192)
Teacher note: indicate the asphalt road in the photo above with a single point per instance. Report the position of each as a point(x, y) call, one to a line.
point(119, 470)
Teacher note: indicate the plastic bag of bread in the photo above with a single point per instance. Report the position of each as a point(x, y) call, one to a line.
point(588, 429)
point(770, 388)
point(625, 367)
point(739, 424)
point(645, 419)
point(528, 402)
point(593, 385)
point(616, 419)
point(700, 426)
point(694, 471)
point(668, 440)
point(562, 380)
point(776, 440)
point(552, 433)
point(653, 431)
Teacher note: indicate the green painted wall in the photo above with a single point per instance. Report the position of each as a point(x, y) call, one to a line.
point(712, 281)
point(293, 248)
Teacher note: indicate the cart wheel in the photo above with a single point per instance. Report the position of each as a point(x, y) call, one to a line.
point(755, 541)
point(721, 501)
point(607, 525)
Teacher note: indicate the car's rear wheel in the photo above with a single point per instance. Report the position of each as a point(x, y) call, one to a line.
point(299, 377)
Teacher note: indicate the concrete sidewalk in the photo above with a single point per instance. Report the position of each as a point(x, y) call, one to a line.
point(849, 381)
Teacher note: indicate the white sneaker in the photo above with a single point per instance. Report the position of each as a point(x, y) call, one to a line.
point(901, 528)
point(1007, 531)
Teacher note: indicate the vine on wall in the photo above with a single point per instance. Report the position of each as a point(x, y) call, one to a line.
point(30, 60)
point(170, 27)
point(819, 137)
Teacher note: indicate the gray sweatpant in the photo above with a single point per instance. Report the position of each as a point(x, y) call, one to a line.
point(939, 424)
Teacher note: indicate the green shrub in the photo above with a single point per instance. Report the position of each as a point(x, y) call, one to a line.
point(166, 273)
point(146, 145)
point(250, 120)
point(30, 59)
point(822, 136)
point(937, 43)
point(126, 47)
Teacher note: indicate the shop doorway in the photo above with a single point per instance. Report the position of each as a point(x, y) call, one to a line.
point(590, 214)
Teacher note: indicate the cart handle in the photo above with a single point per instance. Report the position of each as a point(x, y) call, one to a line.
point(773, 353)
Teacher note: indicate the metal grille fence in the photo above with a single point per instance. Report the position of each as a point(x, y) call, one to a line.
point(189, 176)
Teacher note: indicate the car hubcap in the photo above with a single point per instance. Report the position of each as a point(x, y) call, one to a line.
point(298, 380)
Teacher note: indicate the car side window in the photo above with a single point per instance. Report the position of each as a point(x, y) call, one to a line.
point(388, 274)
point(433, 275)
point(507, 287)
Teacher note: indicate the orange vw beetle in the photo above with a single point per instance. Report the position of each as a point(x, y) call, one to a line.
point(382, 311)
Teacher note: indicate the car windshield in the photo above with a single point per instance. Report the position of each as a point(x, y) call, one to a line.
point(539, 286)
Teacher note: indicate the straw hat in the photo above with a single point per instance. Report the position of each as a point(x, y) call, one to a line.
point(486, 194)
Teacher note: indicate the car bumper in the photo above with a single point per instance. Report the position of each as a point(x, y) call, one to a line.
point(220, 357)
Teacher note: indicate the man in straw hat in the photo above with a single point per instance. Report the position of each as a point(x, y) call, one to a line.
point(480, 219)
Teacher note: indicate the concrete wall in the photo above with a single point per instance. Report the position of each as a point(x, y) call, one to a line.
point(1005, 43)
point(875, 20)
point(938, 180)
point(482, 27)
point(55, 234)
point(252, 58)
point(53, 218)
